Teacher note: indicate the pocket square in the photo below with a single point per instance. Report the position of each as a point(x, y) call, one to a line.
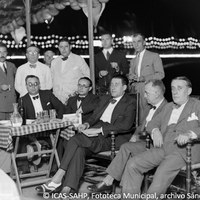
point(48, 103)
point(192, 117)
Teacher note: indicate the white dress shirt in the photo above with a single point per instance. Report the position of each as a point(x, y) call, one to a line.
point(65, 75)
point(140, 62)
point(1, 65)
point(36, 104)
point(41, 70)
point(110, 50)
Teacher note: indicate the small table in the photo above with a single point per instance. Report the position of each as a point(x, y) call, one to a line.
point(6, 141)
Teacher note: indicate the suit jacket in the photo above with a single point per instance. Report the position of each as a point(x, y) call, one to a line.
point(151, 66)
point(122, 119)
point(140, 128)
point(102, 64)
point(189, 120)
point(7, 98)
point(48, 101)
point(88, 104)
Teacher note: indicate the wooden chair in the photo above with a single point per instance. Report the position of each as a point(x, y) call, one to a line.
point(185, 172)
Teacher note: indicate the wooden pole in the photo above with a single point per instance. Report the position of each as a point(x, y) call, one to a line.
point(91, 49)
point(28, 21)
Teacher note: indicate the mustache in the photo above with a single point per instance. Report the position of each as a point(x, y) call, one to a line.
point(2, 57)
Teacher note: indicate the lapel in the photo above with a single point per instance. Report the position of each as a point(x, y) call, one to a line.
point(43, 100)
point(29, 108)
point(186, 111)
point(103, 107)
point(118, 109)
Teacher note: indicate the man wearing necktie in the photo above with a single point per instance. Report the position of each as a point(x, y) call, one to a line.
point(66, 70)
point(154, 94)
point(145, 66)
point(170, 130)
point(94, 135)
point(7, 98)
point(32, 67)
point(108, 62)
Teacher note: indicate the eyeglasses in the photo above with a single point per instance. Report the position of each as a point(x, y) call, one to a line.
point(33, 84)
point(32, 52)
point(83, 86)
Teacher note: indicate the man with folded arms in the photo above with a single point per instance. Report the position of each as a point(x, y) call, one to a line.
point(154, 94)
point(171, 129)
point(115, 112)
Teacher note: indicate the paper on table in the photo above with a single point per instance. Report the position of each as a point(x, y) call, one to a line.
point(75, 118)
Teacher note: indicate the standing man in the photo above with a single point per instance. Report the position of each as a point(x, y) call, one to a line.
point(66, 70)
point(154, 94)
point(172, 128)
point(114, 112)
point(7, 90)
point(32, 67)
point(48, 57)
point(108, 62)
point(145, 66)
point(7, 98)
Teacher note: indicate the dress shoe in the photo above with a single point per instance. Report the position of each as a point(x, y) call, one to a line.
point(100, 187)
point(48, 187)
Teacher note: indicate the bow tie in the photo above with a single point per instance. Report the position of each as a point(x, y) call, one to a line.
point(80, 98)
point(152, 107)
point(112, 101)
point(36, 97)
point(64, 58)
point(33, 65)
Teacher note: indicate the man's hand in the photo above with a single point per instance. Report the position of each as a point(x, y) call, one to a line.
point(115, 66)
point(157, 138)
point(82, 127)
point(103, 73)
point(133, 139)
point(92, 132)
point(182, 138)
point(5, 87)
point(133, 77)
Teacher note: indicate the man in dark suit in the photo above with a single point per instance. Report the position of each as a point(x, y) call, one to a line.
point(37, 100)
point(108, 63)
point(115, 112)
point(154, 94)
point(145, 66)
point(171, 129)
point(7, 98)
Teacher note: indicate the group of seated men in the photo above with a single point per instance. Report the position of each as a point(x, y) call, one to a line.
point(171, 126)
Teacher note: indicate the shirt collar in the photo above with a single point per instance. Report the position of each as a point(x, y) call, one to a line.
point(108, 50)
point(159, 103)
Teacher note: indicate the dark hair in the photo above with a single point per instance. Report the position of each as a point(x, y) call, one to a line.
point(64, 39)
point(123, 78)
point(157, 83)
point(139, 34)
point(106, 33)
point(88, 79)
point(31, 76)
point(32, 45)
point(183, 78)
point(3, 45)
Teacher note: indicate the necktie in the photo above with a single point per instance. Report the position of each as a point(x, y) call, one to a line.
point(80, 98)
point(4, 68)
point(64, 58)
point(33, 65)
point(36, 97)
point(112, 101)
point(152, 107)
point(108, 55)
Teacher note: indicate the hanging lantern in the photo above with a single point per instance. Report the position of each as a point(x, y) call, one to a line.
point(39, 16)
point(34, 19)
point(59, 6)
point(52, 10)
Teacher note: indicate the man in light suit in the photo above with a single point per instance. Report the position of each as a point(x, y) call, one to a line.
point(108, 62)
point(170, 130)
point(145, 66)
point(115, 112)
point(154, 94)
point(7, 98)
